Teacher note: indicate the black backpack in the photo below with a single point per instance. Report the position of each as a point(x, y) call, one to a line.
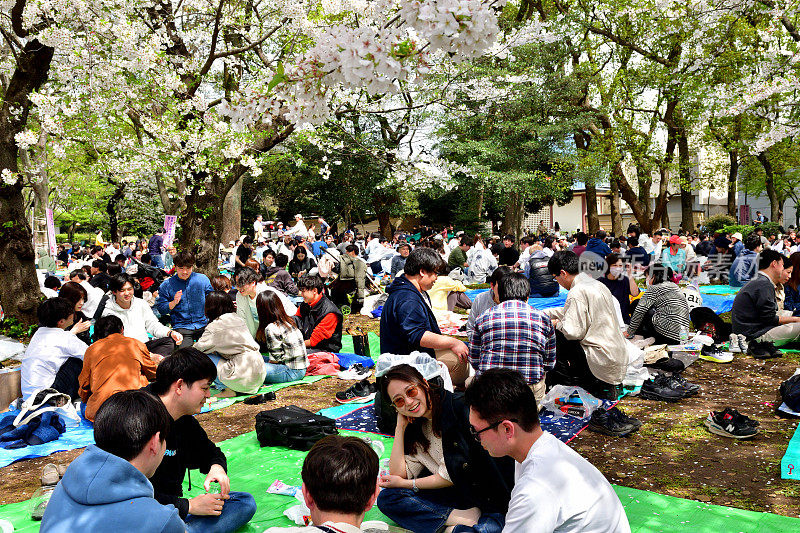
point(790, 392)
point(293, 427)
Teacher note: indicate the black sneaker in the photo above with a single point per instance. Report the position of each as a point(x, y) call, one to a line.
point(360, 370)
point(726, 424)
point(625, 419)
point(740, 418)
point(669, 364)
point(361, 392)
point(604, 422)
point(659, 389)
point(678, 382)
point(763, 350)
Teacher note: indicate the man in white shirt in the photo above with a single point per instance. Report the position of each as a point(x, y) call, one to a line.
point(555, 489)
point(54, 357)
point(339, 485)
point(258, 228)
point(299, 229)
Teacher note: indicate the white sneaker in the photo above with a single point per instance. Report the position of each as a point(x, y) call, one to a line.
point(734, 344)
point(743, 343)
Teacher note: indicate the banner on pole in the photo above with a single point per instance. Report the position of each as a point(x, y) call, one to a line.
point(51, 232)
point(169, 229)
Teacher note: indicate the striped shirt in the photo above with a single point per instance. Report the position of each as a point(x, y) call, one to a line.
point(514, 335)
point(670, 310)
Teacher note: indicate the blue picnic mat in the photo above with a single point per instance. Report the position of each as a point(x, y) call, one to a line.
point(564, 429)
point(720, 298)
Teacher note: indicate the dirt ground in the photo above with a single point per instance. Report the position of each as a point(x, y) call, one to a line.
point(673, 453)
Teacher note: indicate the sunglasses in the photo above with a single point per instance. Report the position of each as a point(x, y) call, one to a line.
point(477, 433)
point(411, 393)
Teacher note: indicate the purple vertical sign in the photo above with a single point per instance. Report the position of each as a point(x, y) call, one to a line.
point(169, 229)
point(51, 232)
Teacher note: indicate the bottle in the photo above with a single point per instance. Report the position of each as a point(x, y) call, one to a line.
point(684, 335)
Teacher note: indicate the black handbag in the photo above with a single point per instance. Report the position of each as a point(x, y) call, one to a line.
point(293, 427)
point(361, 343)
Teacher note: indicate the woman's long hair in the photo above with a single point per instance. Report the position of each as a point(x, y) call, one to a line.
point(413, 435)
point(270, 309)
point(793, 282)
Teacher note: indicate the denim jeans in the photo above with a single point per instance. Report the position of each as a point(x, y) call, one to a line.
point(236, 512)
point(216, 359)
point(281, 373)
point(426, 511)
point(157, 260)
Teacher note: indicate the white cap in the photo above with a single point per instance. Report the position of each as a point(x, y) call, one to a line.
point(298, 216)
point(737, 235)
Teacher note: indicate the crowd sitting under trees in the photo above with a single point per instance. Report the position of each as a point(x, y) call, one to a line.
point(282, 296)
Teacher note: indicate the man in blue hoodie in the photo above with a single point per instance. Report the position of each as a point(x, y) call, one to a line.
point(106, 489)
point(597, 244)
point(407, 321)
point(745, 266)
point(183, 298)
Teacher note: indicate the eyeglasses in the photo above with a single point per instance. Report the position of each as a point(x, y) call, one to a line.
point(411, 392)
point(477, 433)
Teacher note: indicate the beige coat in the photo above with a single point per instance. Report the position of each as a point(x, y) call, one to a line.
point(589, 316)
point(242, 366)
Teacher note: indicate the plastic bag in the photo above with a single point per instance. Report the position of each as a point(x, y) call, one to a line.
point(636, 374)
point(569, 400)
point(300, 514)
point(427, 365)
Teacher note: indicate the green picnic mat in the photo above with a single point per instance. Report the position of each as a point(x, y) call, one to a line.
point(374, 344)
point(650, 512)
point(253, 469)
point(225, 402)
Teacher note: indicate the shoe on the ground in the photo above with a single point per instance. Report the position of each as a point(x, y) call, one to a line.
point(763, 350)
point(733, 345)
point(715, 355)
point(259, 398)
point(669, 364)
point(617, 413)
point(742, 343)
point(359, 369)
point(740, 418)
point(361, 392)
point(659, 389)
point(726, 424)
point(678, 382)
point(604, 422)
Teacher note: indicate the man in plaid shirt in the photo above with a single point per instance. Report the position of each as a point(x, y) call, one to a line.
point(515, 335)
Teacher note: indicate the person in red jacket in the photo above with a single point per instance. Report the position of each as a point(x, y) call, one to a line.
point(318, 317)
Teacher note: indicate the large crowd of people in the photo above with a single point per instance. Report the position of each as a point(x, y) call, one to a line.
point(472, 460)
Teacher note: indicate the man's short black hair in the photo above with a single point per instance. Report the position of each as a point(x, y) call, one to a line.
point(633, 242)
point(582, 238)
point(78, 273)
point(127, 420)
point(119, 281)
point(247, 240)
point(464, 241)
point(52, 282)
point(53, 310)
point(184, 259)
point(752, 241)
point(565, 260)
point(340, 473)
point(247, 275)
point(635, 230)
point(766, 258)
point(499, 273)
point(659, 273)
point(107, 325)
point(658, 233)
point(423, 258)
point(601, 234)
point(351, 248)
point(514, 286)
point(267, 252)
point(502, 394)
point(188, 364)
point(497, 248)
point(528, 240)
point(509, 237)
point(311, 282)
point(281, 261)
point(100, 265)
point(147, 258)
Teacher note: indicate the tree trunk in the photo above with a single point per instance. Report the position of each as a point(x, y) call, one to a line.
point(111, 209)
point(775, 205)
point(733, 175)
point(232, 213)
point(616, 212)
point(645, 183)
point(19, 287)
point(200, 225)
point(514, 214)
point(685, 176)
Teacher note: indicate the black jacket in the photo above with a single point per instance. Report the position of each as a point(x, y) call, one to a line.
point(102, 281)
point(483, 480)
point(309, 317)
point(755, 310)
point(542, 282)
point(188, 448)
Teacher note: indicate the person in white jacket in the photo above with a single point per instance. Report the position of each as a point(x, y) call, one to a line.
point(299, 229)
point(138, 319)
point(227, 341)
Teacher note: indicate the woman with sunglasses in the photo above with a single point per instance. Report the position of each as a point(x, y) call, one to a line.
point(440, 478)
